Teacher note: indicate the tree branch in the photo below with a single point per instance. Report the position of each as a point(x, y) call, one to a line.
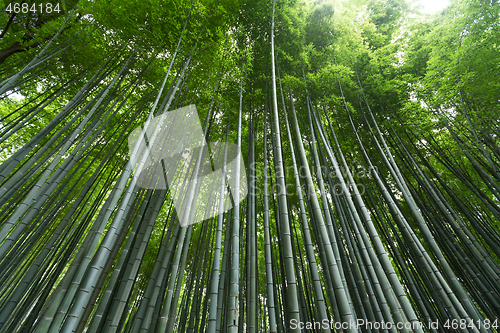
point(7, 26)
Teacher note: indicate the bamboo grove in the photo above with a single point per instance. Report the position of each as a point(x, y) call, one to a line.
point(371, 150)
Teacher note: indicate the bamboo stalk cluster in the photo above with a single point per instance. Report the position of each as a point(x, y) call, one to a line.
point(84, 248)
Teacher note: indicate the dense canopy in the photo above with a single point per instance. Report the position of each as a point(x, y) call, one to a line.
point(370, 153)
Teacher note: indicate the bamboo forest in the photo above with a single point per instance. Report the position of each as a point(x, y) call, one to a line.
point(353, 147)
